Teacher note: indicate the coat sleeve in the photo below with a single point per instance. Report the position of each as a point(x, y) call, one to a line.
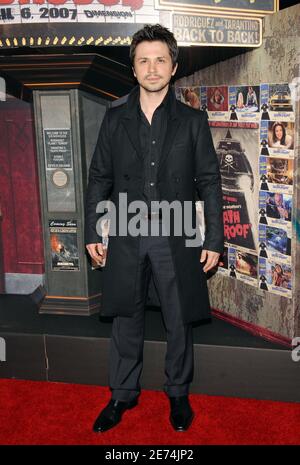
point(100, 182)
point(209, 187)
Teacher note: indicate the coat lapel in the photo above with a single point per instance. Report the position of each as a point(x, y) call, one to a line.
point(173, 124)
point(132, 128)
point(130, 120)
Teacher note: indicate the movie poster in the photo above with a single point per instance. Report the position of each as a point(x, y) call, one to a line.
point(243, 266)
point(275, 209)
point(277, 138)
point(276, 102)
point(214, 100)
point(64, 247)
point(236, 147)
point(253, 129)
point(275, 243)
point(189, 95)
point(276, 174)
point(275, 277)
point(244, 103)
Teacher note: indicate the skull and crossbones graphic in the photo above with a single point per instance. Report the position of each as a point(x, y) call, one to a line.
point(228, 162)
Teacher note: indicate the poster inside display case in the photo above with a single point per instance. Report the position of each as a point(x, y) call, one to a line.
point(64, 245)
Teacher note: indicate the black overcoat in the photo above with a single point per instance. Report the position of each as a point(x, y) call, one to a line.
point(188, 169)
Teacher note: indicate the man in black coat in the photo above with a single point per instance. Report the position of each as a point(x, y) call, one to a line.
point(158, 153)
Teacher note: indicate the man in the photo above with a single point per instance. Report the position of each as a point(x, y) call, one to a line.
point(153, 149)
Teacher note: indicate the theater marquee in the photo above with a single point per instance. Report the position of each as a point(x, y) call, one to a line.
point(40, 23)
point(197, 29)
point(246, 7)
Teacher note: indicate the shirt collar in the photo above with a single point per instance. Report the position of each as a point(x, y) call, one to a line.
point(165, 104)
point(133, 99)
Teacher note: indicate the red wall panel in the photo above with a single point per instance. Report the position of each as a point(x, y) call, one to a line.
point(19, 191)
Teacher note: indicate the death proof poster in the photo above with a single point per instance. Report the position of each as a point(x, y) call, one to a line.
point(236, 147)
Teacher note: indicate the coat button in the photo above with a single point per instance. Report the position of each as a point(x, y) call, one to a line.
point(126, 176)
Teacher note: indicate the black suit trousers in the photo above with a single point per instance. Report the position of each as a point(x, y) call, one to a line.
point(127, 338)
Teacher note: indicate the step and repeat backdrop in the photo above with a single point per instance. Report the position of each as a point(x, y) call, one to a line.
point(253, 131)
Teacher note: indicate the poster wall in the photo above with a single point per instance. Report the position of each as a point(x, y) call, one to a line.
point(253, 129)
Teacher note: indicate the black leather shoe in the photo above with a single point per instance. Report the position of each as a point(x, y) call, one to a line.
point(111, 415)
point(181, 415)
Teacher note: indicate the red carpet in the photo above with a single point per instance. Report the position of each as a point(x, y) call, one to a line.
point(34, 412)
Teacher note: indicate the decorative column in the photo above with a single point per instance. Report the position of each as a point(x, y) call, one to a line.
point(67, 126)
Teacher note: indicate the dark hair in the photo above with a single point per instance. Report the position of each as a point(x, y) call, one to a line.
point(281, 269)
point(282, 140)
point(151, 33)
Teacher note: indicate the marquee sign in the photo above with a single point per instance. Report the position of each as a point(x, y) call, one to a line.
point(73, 11)
point(249, 7)
point(194, 29)
point(112, 22)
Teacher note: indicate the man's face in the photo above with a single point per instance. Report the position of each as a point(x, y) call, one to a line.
point(153, 65)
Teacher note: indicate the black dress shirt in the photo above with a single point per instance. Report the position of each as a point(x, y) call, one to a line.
point(151, 139)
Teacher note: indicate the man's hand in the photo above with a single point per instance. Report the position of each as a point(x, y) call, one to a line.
point(96, 252)
point(211, 257)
